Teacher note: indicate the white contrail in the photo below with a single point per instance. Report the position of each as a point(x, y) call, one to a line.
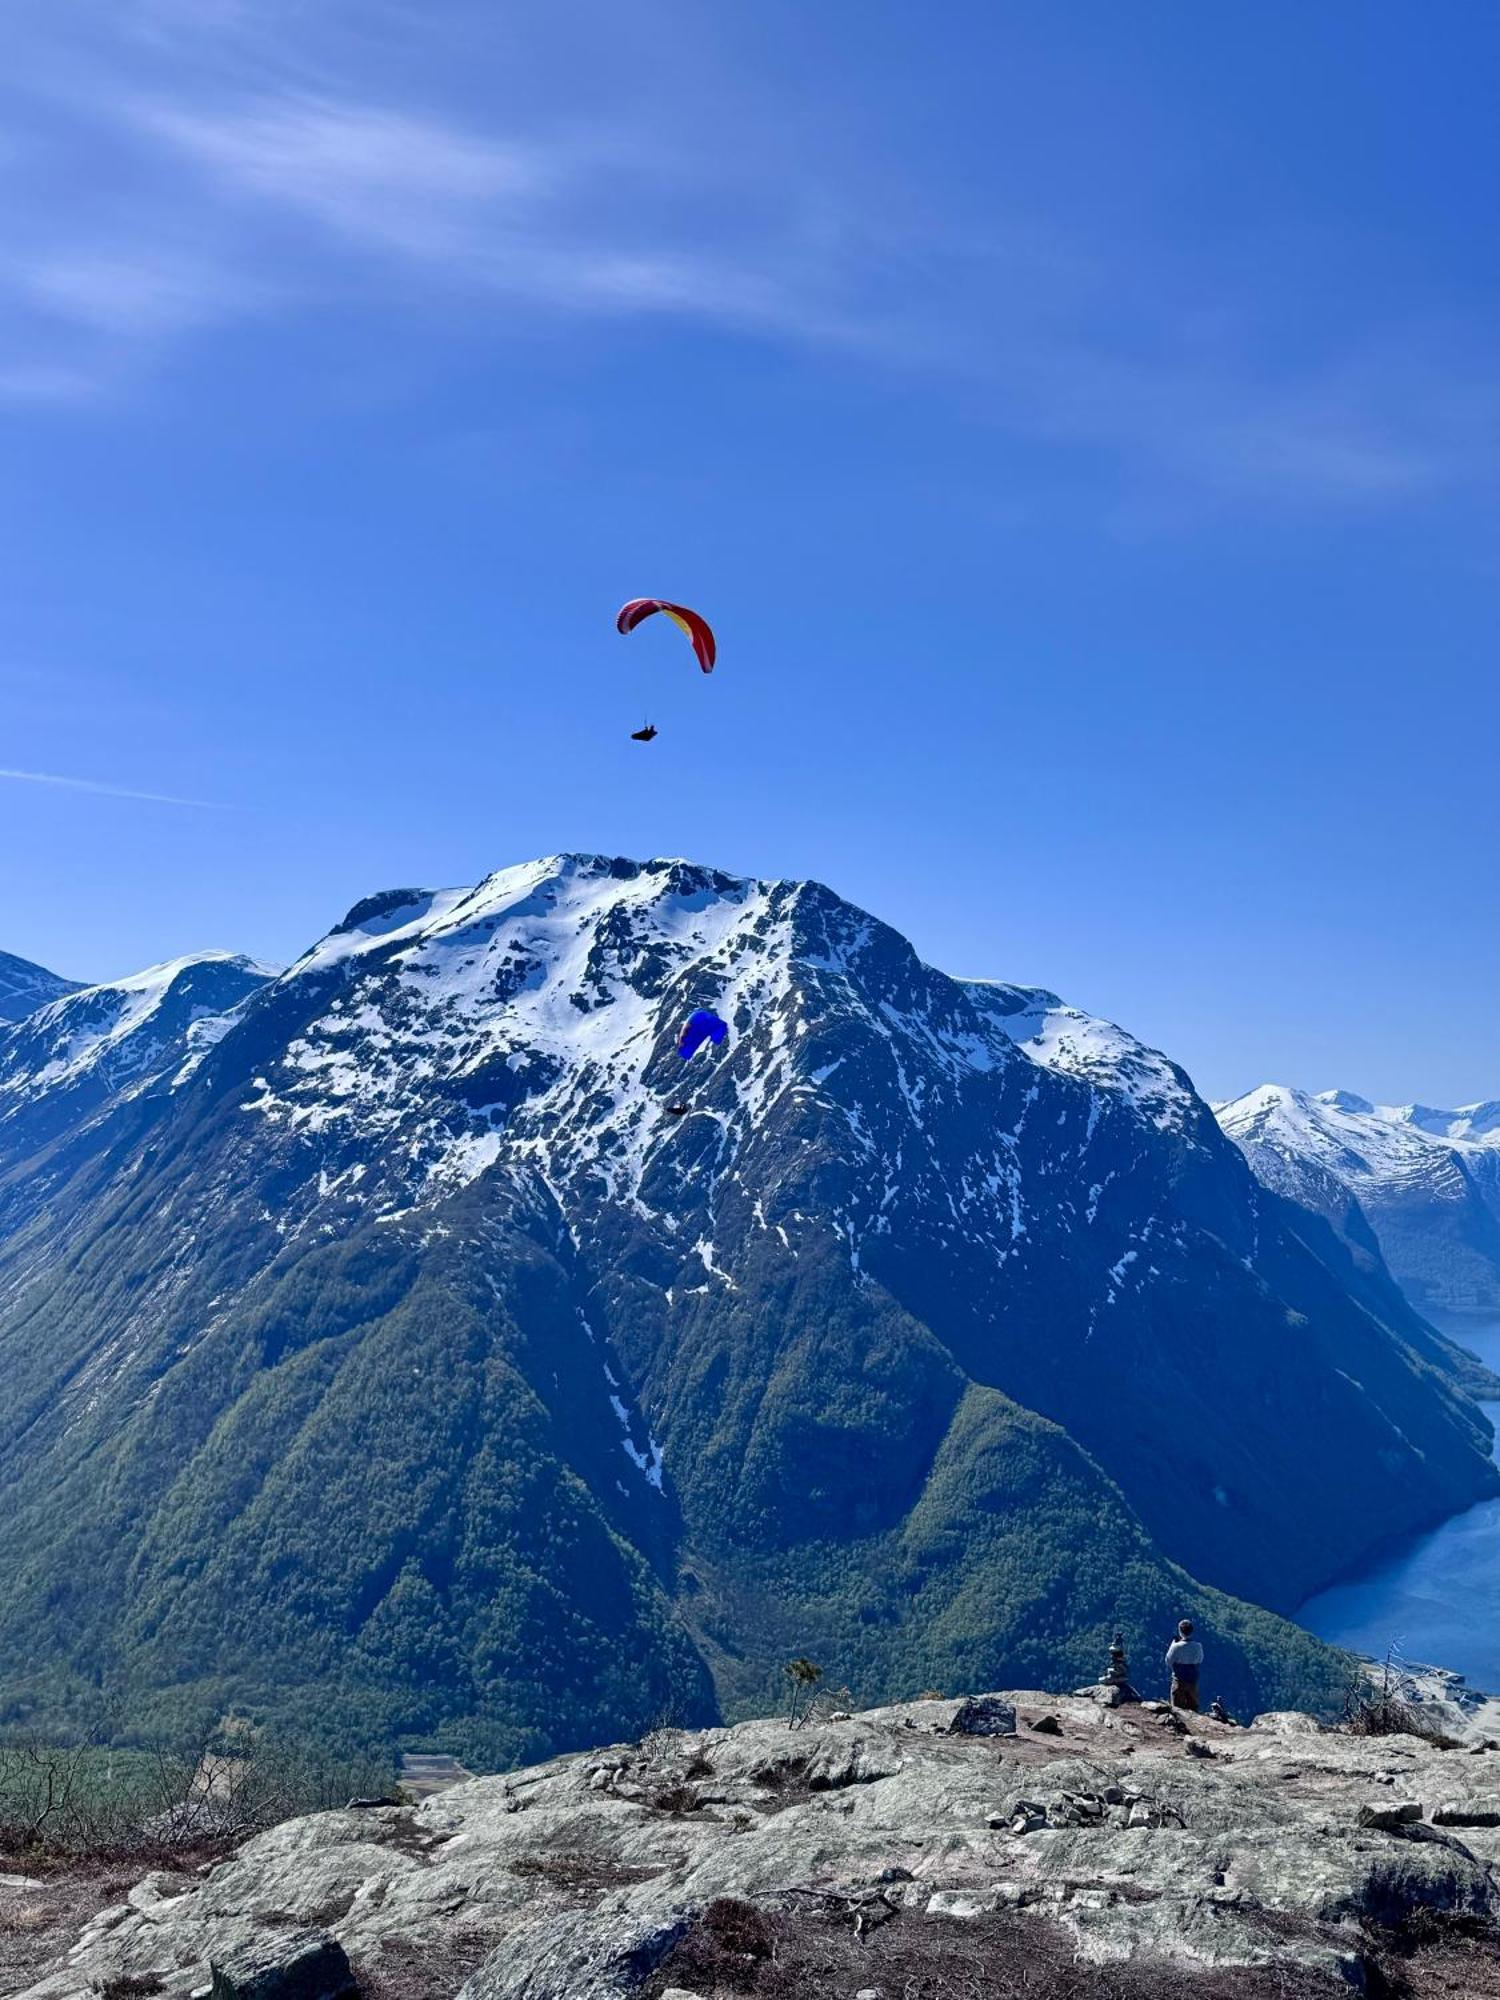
point(109, 791)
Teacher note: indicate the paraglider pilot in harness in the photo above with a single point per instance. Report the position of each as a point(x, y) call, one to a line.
point(702, 1025)
point(694, 627)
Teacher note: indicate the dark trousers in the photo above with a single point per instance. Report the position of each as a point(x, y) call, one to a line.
point(1185, 1693)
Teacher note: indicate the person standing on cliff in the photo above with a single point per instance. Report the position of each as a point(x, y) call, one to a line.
point(1185, 1660)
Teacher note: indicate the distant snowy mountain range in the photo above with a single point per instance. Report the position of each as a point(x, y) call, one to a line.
point(377, 1344)
point(24, 987)
point(1426, 1182)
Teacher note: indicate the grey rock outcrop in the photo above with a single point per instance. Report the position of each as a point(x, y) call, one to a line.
point(281, 1965)
point(581, 1878)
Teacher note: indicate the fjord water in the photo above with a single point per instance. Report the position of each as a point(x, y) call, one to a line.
point(1438, 1600)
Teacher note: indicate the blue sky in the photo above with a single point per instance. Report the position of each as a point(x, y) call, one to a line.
point(1080, 423)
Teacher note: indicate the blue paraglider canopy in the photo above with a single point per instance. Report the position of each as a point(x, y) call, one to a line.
point(701, 1026)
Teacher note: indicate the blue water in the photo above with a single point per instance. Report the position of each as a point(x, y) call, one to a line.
point(1438, 1601)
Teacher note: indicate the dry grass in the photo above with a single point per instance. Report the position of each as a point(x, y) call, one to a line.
point(37, 1926)
point(735, 1950)
point(405, 1969)
point(1438, 1955)
point(581, 1874)
point(1389, 1715)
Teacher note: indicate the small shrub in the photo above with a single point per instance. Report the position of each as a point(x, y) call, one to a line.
point(676, 1800)
point(802, 1681)
point(1398, 1718)
point(1387, 1704)
point(725, 1949)
point(87, 1799)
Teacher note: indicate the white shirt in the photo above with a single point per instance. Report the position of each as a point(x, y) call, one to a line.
point(1184, 1653)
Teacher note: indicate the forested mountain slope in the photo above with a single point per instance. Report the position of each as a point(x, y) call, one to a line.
point(395, 1354)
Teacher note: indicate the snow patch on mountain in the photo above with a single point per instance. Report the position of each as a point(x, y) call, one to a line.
point(527, 1027)
point(1063, 1038)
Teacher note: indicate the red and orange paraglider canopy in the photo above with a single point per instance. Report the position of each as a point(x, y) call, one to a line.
point(696, 629)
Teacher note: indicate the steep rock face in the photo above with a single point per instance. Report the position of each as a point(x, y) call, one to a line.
point(24, 987)
point(1427, 1183)
point(407, 1351)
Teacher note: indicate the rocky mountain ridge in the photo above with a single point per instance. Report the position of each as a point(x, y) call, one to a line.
point(907, 1848)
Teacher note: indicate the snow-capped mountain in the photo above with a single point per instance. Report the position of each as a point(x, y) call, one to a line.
point(1472, 1123)
point(399, 1344)
point(1427, 1182)
point(108, 1041)
point(24, 987)
point(1473, 1130)
point(71, 1066)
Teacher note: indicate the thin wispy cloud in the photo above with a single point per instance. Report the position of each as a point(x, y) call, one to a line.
point(278, 168)
point(144, 296)
point(1335, 435)
point(521, 220)
point(104, 790)
point(373, 175)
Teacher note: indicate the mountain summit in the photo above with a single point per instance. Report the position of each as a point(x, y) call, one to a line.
point(407, 1354)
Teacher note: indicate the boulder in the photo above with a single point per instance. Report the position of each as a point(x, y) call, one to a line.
point(955, 1903)
point(1466, 1815)
point(1388, 1818)
point(984, 1715)
point(281, 1965)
